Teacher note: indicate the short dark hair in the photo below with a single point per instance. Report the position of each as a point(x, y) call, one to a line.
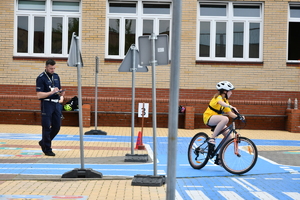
point(50, 62)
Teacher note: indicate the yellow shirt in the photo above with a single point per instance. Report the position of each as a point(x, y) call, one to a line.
point(214, 104)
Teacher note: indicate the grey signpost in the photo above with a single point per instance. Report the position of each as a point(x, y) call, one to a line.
point(95, 131)
point(75, 60)
point(131, 64)
point(173, 99)
point(154, 50)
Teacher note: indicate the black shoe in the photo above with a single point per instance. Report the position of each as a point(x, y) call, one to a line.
point(50, 153)
point(42, 146)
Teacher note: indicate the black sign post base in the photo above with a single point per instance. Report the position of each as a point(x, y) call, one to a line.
point(136, 158)
point(95, 132)
point(148, 180)
point(82, 173)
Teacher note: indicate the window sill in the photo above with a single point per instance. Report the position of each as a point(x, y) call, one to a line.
point(292, 64)
point(39, 58)
point(112, 60)
point(230, 63)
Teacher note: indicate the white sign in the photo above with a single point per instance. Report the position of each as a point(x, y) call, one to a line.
point(143, 110)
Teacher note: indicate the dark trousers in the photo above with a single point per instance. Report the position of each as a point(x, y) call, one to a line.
point(51, 122)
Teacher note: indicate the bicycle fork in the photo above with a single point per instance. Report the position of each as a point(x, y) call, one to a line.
point(236, 145)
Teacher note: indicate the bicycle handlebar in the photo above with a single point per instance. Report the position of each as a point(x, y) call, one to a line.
point(239, 116)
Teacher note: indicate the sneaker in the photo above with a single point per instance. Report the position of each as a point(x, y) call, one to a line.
point(218, 161)
point(50, 153)
point(42, 146)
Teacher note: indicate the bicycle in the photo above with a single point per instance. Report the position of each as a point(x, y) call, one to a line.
point(237, 155)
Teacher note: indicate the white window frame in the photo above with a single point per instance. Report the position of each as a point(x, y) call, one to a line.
point(48, 14)
point(139, 17)
point(230, 19)
point(290, 19)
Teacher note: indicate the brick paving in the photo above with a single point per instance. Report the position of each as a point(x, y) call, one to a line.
point(108, 153)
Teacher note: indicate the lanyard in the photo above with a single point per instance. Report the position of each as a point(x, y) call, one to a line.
point(50, 79)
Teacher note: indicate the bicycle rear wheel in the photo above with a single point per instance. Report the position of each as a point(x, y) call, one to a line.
point(242, 160)
point(198, 151)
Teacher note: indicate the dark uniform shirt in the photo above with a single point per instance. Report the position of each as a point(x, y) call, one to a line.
point(46, 81)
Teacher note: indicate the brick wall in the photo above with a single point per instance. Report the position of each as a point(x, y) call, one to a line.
point(114, 106)
point(273, 74)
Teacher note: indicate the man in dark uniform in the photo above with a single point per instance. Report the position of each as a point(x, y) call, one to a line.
point(49, 92)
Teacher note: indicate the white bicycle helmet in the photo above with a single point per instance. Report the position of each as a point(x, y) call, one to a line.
point(224, 85)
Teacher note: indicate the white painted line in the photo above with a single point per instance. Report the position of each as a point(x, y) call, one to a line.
point(289, 169)
point(294, 172)
point(196, 195)
point(296, 179)
point(192, 186)
point(254, 187)
point(223, 186)
point(263, 196)
point(162, 165)
point(293, 195)
point(242, 184)
point(270, 161)
point(150, 152)
point(274, 178)
point(161, 172)
point(177, 196)
point(229, 195)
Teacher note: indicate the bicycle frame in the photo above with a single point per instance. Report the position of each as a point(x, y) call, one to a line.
point(231, 129)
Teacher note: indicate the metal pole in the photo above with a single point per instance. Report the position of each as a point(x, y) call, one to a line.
point(96, 93)
point(133, 48)
point(79, 64)
point(173, 99)
point(153, 62)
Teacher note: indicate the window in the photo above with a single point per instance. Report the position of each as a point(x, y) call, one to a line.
point(229, 32)
point(293, 33)
point(44, 28)
point(126, 21)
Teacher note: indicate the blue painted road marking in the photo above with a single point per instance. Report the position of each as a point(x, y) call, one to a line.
point(183, 168)
point(274, 186)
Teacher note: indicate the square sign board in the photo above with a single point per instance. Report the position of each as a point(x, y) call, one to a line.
point(143, 110)
point(161, 50)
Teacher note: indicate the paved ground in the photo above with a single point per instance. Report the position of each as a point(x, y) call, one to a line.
point(25, 173)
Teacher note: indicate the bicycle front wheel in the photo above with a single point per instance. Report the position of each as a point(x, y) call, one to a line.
point(198, 151)
point(238, 159)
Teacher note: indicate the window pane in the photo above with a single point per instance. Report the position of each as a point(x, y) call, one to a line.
point(73, 26)
point(22, 34)
point(204, 39)
point(65, 6)
point(254, 40)
point(295, 11)
point(39, 35)
point(130, 27)
point(156, 9)
point(294, 41)
point(147, 27)
point(122, 8)
point(221, 39)
point(31, 5)
point(212, 10)
point(164, 27)
point(238, 40)
point(113, 37)
point(57, 27)
point(246, 11)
